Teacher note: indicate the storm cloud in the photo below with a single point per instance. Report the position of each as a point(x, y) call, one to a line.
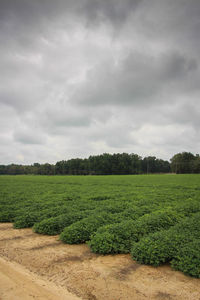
point(91, 76)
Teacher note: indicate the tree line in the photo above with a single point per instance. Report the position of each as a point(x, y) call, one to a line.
point(185, 163)
point(110, 164)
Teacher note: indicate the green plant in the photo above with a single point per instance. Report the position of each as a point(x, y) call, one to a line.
point(187, 259)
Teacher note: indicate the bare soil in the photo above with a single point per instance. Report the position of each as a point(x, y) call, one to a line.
point(34, 266)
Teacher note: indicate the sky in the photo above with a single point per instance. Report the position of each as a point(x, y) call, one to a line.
point(85, 77)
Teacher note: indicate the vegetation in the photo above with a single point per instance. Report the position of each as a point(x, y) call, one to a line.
point(167, 245)
point(156, 218)
point(110, 164)
point(118, 238)
point(185, 163)
point(105, 164)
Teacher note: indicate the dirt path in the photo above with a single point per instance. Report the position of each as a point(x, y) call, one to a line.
point(40, 267)
point(16, 283)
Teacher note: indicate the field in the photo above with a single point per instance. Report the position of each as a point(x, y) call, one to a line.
point(155, 218)
point(75, 272)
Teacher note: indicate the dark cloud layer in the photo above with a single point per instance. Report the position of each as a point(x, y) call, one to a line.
point(91, 76)
point(140, 79)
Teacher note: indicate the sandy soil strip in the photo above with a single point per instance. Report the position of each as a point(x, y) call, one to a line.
point(17, 283)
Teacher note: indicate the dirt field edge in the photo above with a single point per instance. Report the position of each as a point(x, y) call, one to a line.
point(19, 283)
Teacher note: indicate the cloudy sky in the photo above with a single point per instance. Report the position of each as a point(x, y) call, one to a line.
point(84, 77)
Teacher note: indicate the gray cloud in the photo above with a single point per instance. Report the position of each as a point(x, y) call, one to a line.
point(29, 136)
point(114, 12)
point(139, 79)
point(89, 76)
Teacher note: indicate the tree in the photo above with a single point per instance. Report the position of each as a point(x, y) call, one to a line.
point(183, 163)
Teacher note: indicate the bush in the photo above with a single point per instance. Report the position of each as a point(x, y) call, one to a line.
point(153, 249)
point(134, 212)
point(81, 231)
point(26, 220)
point(7, 216)
point(55, 225)
point(159, 247)
point(118, 238)
point(188, 208)
point(189, 226)
point(187, 259)
point(104, 243)
point(113, 238)
point(163, 246)
point(156, 221)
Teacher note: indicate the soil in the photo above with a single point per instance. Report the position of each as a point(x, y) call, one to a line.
point(34, 266)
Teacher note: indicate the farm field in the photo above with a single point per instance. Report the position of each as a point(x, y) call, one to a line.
point(34, 266)
point(155, 218)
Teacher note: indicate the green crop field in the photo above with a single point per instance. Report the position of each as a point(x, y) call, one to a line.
point(156, 218)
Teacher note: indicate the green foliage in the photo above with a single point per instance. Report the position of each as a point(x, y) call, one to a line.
point(106, 243)
point(153, 249)
point(156, 218)
point(81, 231)
point(118, 238)
point(187, 259)
point(111, 239)
point(7, 214)
point(185, 162)
point(28, 217)
point(104, 164)
point(163, 246)
point(189, 207)
point(26, 220)
point(134, 212)
point(55, 225)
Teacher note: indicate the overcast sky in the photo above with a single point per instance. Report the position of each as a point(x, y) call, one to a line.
point(84, 77)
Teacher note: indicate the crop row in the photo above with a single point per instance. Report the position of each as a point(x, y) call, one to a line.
point(155, 218)
point(178, 245)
